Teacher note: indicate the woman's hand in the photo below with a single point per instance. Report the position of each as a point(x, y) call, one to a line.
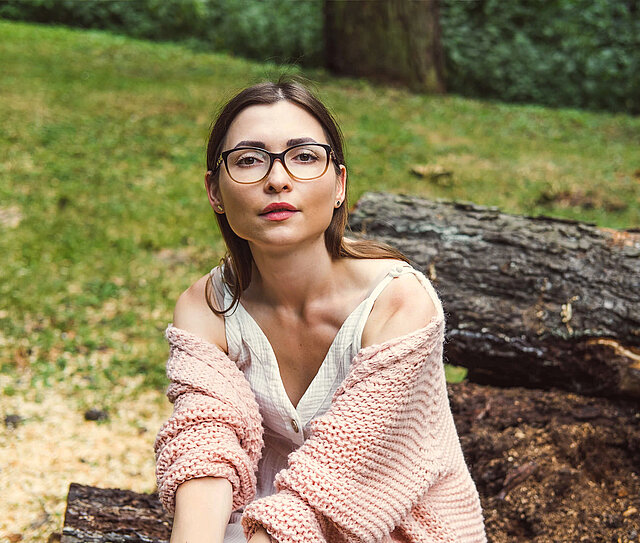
point(261, 536)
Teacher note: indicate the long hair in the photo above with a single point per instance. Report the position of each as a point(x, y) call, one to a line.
point(238, 261)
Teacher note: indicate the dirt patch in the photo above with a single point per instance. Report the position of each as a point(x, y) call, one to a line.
point(551, 466)
point(585, 199)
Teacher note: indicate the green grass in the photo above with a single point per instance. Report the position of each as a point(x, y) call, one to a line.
point(103, 216)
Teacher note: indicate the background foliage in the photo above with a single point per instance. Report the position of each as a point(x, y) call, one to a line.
point(581, 53)
point(280, 30)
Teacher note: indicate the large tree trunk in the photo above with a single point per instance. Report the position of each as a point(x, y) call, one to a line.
point(392, 40)
point(531, 301)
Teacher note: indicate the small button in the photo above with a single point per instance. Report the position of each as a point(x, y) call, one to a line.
point(294, 425)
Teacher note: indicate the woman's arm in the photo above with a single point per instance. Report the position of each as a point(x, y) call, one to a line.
point(208, 450)
point(203, 507)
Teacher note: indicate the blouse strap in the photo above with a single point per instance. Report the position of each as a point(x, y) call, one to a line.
point(399, 269)
point(218, 286)
point(232, 328)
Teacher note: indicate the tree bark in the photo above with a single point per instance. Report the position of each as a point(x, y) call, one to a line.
point(97, 515)
point(390, 40)
point(530, 301)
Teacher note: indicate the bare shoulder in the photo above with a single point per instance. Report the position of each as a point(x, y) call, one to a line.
point(402, 307)
point(366, 270)
point(193, 314)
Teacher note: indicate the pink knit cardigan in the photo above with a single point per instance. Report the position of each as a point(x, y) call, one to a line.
point(384, 463)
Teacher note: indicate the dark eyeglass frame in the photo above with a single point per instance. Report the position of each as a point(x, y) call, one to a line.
point(272, 157)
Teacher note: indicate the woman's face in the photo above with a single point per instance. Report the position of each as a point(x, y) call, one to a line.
point(276, 127)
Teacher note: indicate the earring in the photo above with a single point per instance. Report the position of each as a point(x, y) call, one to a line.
point(338, 202)
point(220, 208)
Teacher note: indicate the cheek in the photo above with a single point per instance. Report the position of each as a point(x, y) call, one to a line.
point(239, 224)
point(232, 195)
point(324, 204)
point(235, 208)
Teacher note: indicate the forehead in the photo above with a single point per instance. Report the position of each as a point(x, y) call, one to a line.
point(274, 124)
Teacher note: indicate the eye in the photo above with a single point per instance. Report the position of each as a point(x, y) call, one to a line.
point(305, 156)
point(247, 159)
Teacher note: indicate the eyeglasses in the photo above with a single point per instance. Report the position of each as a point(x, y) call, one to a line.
point(252, 164)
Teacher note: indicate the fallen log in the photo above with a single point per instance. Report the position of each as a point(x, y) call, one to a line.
point(100, 515)
point(549, 466)
point(531, 301)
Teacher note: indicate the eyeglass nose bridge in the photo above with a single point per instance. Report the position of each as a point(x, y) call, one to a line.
point(272, 159)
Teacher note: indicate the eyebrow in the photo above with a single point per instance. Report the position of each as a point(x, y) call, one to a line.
point(262, 145)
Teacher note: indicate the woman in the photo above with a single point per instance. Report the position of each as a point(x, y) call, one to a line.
point(305, 341)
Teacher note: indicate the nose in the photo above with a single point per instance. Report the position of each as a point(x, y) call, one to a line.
point(278, 179)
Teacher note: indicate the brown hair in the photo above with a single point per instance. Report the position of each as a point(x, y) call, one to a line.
point(237, 263)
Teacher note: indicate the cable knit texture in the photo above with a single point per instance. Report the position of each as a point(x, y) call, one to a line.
point(215, 429)
point(383, 464)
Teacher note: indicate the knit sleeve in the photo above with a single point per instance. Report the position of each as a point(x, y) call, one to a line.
point(215, 429)
point(387, 437)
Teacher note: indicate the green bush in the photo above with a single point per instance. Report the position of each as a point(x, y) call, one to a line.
point(275, 30)
point(278, 30)
point(581, 53)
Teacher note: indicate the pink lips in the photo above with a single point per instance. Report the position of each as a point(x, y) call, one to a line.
point(278, 211)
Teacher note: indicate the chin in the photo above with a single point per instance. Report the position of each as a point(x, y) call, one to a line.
point(286, 240)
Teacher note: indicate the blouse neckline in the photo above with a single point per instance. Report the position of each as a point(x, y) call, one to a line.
point(325, 369)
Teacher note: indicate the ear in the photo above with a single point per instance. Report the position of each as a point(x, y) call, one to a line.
point(213, 192)
point(341, 185)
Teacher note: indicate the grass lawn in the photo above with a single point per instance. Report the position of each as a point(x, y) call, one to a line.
point(104, 220)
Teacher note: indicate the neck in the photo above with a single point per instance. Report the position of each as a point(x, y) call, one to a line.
point(292, 278)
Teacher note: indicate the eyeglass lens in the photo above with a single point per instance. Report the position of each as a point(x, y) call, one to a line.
point(251, 165)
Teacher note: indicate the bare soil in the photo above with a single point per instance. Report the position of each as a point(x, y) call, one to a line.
point(551, 466)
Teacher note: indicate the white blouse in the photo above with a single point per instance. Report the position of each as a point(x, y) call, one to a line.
point(286, 427)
